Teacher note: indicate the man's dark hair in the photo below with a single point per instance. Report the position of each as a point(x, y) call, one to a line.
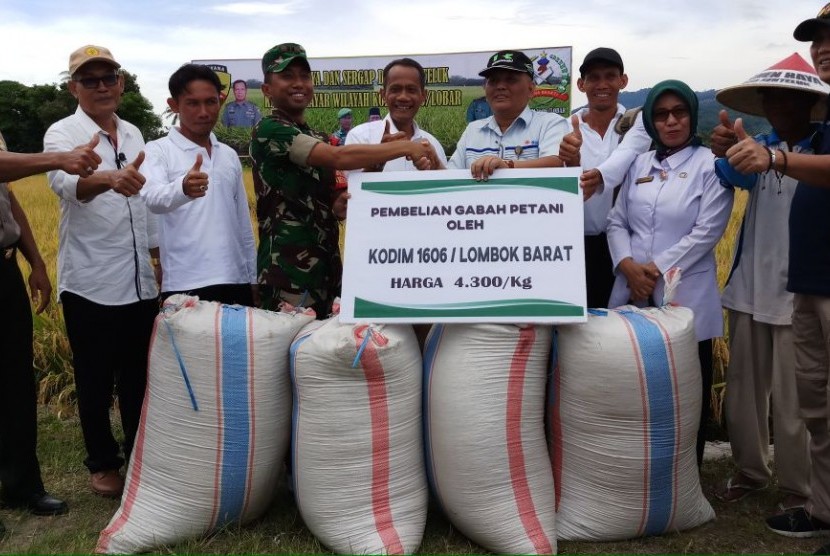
point(182, 77)
point(239, 81)
point(408, 62)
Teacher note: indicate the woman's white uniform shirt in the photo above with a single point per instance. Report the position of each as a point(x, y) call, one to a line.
point(673, 212)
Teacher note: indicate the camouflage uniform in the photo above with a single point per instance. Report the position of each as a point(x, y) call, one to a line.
point(298, 233)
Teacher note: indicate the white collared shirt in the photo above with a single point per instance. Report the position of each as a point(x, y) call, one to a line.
point(205, 241)
point(371, 133)
point(612, 158)
point(532, 135)
point(103, 253)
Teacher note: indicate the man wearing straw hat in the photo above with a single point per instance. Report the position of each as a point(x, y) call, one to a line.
point(789, 94)
point(809, 279)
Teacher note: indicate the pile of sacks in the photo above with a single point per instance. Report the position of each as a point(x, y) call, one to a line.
point(530, 434)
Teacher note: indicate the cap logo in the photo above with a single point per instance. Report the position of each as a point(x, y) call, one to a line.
point(92, 51)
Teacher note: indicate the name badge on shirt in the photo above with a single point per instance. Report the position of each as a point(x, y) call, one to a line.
point(644, 180)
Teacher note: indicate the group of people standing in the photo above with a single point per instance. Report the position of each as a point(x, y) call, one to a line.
point(173, 214)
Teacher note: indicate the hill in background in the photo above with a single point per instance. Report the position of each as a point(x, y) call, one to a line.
point(708, 112)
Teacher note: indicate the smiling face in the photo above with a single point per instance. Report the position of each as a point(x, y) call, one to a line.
point(820, 53)
point(290, 90)
point(672, 120)
point(101, 101)
point(508, 92)
point(198, 109)
point(403, 94)
point(602, 84)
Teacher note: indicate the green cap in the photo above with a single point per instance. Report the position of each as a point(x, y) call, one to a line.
point(279, 57)
point(344, 112)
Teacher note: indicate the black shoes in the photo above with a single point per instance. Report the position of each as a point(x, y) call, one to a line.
point(40, 504)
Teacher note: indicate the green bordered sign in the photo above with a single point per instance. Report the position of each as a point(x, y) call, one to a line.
point(442, 247)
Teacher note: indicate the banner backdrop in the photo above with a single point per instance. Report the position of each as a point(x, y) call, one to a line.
point(454, 88)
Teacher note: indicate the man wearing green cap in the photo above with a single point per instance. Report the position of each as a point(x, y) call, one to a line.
point(514, 136)
point(297, 203)
point(344, 117)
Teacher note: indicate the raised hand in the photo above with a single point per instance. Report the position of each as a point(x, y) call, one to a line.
point(128, 181)
point(748, 156)
point(723, 135)
point(571, 144)
point(195, 182)
point(82, 160)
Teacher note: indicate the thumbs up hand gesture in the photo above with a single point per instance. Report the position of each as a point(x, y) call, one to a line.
point(82, 160)
point(195, 182)
point(723, 135)
point(571, 143)
point(128, 180)
point(748, 156)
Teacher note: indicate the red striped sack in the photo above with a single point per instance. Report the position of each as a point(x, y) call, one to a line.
point(357, 437)
point(487, 458)
point(624, 409)
point(215, 424)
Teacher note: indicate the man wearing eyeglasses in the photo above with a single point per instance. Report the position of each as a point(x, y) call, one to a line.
point(106, 282)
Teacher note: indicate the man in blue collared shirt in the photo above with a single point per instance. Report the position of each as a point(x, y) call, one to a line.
point(514, 136)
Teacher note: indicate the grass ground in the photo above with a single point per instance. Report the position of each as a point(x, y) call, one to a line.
point(738, 529)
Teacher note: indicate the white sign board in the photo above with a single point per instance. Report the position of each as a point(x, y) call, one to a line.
point(439, 246)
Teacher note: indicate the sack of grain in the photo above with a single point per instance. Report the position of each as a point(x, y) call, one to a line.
point(624, 404)
point(215, 425)
point(487, 457)
point(357, 437)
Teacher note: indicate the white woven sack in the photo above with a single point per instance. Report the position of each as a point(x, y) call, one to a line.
point(623, 416)
point(215, 424)
point(487, 457)
point(357, 445)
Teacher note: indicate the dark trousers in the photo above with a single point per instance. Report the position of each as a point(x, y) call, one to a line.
point(109, 352)
point(704, 353)
point(599, 272)
point(229, 294)
point(19, 467)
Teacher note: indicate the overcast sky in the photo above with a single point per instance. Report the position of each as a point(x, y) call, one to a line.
point(707, 43)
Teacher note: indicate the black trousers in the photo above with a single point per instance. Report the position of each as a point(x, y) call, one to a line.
point(704, 353)
point(229, 294)
point(109, 353)
point(19, 467)
point(599, 272)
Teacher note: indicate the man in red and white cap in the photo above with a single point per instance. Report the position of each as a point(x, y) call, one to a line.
point(809, 280)
point(762, 359)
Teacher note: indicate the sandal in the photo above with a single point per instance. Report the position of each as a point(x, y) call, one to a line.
point(735, 490)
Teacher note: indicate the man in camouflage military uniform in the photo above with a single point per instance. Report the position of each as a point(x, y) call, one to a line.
point(297, 203)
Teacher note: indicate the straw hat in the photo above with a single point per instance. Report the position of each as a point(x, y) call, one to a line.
point(792, 72)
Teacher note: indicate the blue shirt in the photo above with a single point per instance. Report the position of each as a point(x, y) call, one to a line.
point(532, 135)
point(244, 114)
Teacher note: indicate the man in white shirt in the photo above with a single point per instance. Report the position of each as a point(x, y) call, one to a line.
point(514, 136)
point(605, 154)
point(106, 282)
point(194, 182)
point(403, 92)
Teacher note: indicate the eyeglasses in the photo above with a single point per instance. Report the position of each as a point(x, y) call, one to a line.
point(679, 113)
point(108, 80)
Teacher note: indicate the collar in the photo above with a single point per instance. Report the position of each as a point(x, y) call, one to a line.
point(186, 144)
point(676, 159)
point(525, 117)
point(772, 138)
point(89, 125)
point(582, 111)
point(416, 131)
